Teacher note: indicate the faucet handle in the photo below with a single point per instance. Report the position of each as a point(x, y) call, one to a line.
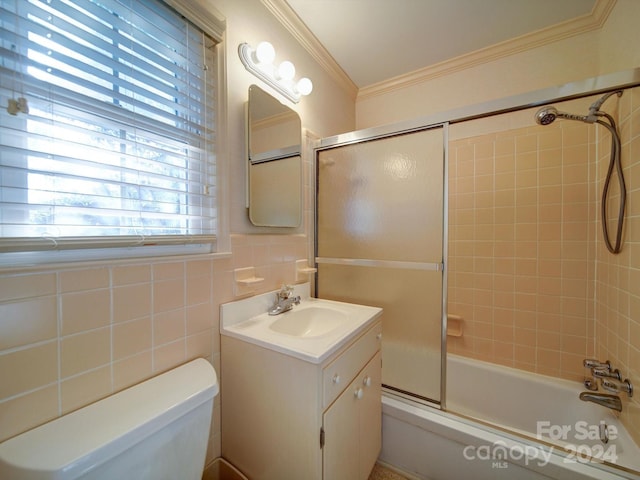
point(593, 363)
point(285, 291)
point(617, 386)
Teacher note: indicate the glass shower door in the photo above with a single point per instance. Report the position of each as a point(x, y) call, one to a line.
point(380, 242)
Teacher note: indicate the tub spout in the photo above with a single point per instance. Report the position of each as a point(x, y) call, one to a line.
point(610, 401)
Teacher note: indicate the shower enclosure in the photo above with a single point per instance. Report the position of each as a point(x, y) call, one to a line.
point(481, 216)
point(380, 241)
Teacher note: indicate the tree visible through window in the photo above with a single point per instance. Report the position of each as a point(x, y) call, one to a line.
point(109, 128)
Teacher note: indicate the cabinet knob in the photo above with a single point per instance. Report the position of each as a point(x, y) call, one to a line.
point(379, 336)
point(336, 379)
point(358, 393)
point(367, 381)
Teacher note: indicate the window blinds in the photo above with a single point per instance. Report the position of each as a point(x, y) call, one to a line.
point(109, 132)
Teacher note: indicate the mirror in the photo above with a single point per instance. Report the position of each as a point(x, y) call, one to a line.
point(275, 163)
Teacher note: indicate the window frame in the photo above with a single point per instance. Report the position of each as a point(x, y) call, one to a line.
point(84, 249)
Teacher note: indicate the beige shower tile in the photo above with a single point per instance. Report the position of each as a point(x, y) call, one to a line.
point(28, 369)
point(85, 351)
point(131, 338)
point(505, 146)
point(130, 274)
point(168, 295)
point(169, 356)
point(131, 301)
point(551, 176)
point(574, 135)
point(200, 345)
point(199, 268)
point(199, 318)
point(526, 143)
point(505, 163)
point(199, 289)
point(132, 370)
point(14, 287)
point(550, 139)
point(87, 279)
point(28, 411)
point(85, 311)
point(548, 340)
point(484, 148)
point(574, 326)
point(28, 321)
point(549, 231)
point(551, 195)
point(526, 214)
point(165, 271)
point(484, 183)
point(84, 389)
point(578, 155)
point(168, 326)
point(550, 158)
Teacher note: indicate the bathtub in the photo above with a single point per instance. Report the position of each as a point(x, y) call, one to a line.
point(549, 438)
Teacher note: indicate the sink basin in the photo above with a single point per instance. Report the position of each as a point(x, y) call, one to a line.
point(311, 331)
point(308, 322)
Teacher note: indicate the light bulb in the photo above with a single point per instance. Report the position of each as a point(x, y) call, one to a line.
point(286, 70)
point(265, 53)
point(304, 86)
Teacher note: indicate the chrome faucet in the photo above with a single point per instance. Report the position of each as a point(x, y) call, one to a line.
point(606, 400)
point(284, 301)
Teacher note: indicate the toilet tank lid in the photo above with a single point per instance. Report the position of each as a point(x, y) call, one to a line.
point(106, 428)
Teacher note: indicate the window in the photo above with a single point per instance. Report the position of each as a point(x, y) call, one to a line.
point(107, 125)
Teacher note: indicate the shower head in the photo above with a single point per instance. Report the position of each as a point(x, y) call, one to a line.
point(546, 115)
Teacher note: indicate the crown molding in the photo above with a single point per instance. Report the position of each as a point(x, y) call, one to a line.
point(583, 24)
point(281, 10)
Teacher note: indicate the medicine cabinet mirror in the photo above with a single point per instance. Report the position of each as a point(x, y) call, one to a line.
point(274, 163)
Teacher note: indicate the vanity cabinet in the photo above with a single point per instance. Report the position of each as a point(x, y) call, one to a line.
point(287, 418)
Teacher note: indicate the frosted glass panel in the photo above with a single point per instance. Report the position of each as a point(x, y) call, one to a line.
point(379, 242)
point(382, 199)
point(411, 319)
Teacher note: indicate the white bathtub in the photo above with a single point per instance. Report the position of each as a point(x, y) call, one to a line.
point(431, 444)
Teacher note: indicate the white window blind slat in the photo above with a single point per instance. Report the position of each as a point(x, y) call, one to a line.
point(118, 146)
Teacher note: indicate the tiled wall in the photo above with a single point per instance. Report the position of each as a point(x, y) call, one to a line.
point(521, 216)
point(618, 276)
point(529, 271)
point(72, 335)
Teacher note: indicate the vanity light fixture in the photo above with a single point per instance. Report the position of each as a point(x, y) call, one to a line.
point(259, 61)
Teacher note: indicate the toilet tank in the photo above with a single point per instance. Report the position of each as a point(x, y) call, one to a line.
point(157, 429)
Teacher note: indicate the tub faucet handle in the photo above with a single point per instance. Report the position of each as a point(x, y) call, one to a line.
point(593, 363)
point(606, 373)
point(615, 386)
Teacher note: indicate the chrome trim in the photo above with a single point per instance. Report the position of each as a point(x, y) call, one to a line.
point(568, 91)
point(365, 262)
point(277, 154)
point(445, 255)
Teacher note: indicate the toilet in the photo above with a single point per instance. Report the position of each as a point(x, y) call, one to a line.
point(156, 430)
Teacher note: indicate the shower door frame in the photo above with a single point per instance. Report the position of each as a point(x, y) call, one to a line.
point(590, 86)
point(441, 403)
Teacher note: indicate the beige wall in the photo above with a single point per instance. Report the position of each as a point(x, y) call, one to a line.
point(72, 334)
point(605, 50)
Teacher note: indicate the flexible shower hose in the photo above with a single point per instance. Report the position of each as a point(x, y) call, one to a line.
point(614, 163)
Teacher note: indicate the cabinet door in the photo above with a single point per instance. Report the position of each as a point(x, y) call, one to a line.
point(352, 427)
point(370, 416)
